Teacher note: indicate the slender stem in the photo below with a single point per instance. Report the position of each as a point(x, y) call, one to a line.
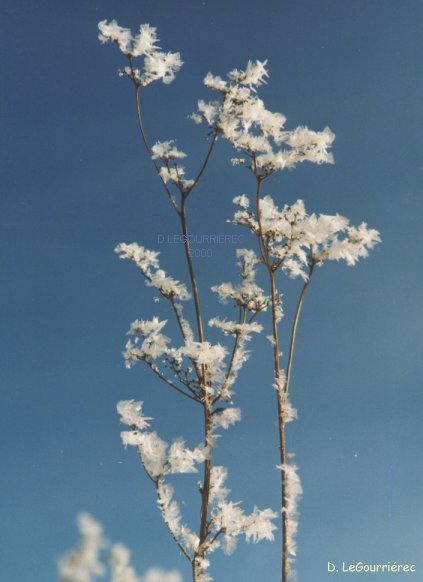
point(178, 319)
point(205, 492)
point(207, 407)
point(281, 427)
point(231, 363)
point(203, 167)
point(187, 248)
point(294, 327)
point(278, 383)
point(147, 147)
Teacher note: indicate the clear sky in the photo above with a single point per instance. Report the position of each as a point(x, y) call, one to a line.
point(75, 182)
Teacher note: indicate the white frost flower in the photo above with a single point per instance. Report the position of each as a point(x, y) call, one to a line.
point(242, 200)
point(297, 240)
point(146, 41)
point(148, 263)
point(226, 417)
point(157, 65)
point(112, 32)
point(166, 150)
point(143, 258)
point(293, 494)
point(218, 491)
point(153, 452)
point(154, 343)
point(161, 66)
point(182, 460)
point(131, 438)
point(215, 82)
point(131, 414)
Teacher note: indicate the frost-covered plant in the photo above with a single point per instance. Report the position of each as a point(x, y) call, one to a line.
point(201, 371)
point(289, 241)
point(95, 557)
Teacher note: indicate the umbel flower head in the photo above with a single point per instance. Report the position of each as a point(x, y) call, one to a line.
point(295, 240)
point(257, 133)
point(157, 65)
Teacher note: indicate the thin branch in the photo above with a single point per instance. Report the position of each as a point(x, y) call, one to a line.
point(231, 363)
point(178, 319)
point(214, 538)
point(148, 148)
point(203, 167)
point(294, 327)
point(281, 426)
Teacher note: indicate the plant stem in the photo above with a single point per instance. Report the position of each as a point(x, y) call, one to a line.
point(278, 381)
point(147, 147)
point(207, 405)
point(281, 426)
point(294, 327)
point(205, 491)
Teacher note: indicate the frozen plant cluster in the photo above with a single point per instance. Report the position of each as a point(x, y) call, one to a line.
point(157, 65)
point(296, 240)
point(287, 241)
point(241, 117)
point(159, 460)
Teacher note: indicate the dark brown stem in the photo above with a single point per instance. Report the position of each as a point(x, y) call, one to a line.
point(147, 147)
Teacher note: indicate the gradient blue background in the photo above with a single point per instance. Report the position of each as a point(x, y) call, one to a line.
point(75, 182)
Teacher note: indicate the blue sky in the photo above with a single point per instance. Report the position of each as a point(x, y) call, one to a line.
point(75, 182)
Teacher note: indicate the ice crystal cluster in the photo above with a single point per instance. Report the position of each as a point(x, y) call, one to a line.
point(289, 241)
point(296, 240)
point(259, 134)
point(157, 65)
